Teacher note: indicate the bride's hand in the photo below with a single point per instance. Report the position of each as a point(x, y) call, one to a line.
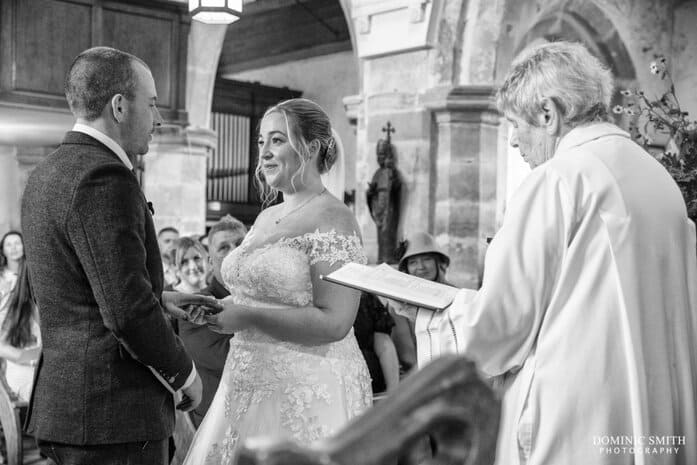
point(189, 306)
point(231, 319)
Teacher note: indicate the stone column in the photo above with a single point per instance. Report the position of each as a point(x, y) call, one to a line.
point(466, 139)
point(205, 45)
point(16, 163)
point(353, 105)
point(174, 179)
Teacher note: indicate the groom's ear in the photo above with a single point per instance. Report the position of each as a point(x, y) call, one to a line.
point(117, 107)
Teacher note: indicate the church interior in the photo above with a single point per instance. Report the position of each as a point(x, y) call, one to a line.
point(421, 74)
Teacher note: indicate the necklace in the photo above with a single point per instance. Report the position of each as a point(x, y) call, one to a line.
point(301, 205)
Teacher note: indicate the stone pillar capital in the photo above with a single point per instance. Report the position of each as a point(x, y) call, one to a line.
point(353, 105)
point(466, 104)
point(172, 138)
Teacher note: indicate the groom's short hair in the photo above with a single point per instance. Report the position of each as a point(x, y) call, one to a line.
point(95, 76)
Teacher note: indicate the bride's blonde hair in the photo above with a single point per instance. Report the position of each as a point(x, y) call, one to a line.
point(305, 121)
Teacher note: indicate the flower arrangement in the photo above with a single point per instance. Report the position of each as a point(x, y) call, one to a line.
point(662, 123)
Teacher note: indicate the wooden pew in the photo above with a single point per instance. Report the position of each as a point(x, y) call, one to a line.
point(446, 400)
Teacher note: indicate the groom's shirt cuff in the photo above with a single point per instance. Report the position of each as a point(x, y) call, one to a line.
point(192, 377)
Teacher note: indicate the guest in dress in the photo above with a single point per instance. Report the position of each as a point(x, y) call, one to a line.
point(208, 348)
point(20, 338)
point(11, 254)
point(294, 369)
point(372, 327)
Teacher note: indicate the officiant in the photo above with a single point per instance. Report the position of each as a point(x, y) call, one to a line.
point(587, 305)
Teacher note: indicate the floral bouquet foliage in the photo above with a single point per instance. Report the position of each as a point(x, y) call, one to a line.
point(663, 118)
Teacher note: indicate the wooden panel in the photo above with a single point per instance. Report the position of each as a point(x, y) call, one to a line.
point(149, 37)
point(45, 37)
point(40, 39)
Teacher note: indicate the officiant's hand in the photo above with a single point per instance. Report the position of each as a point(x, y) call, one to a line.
point(231, 319)
point(403, 309)
point(189, 307)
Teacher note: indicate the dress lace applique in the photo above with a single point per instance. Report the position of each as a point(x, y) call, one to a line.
point(335, 248)
point(277, 388)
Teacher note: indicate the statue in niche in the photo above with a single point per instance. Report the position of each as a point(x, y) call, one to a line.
point(383, 196)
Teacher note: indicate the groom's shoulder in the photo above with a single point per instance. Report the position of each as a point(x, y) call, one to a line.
point(71, 165)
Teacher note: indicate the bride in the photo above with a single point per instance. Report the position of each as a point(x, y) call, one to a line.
point(294, 369)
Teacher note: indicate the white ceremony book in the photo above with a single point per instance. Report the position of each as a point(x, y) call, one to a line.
point(383, 280)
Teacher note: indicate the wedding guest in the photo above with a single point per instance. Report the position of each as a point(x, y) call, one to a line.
point(20, 338)
point(294, 369)
point(11, 255)
point(587, 304)
point(421, 256)
point(166, 238)
point(372, 328)
point(209, 348)
point(190, 265)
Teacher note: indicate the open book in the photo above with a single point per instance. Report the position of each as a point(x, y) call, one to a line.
point(383, 280)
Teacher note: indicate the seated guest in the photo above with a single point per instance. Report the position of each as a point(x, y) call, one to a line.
point(20, 338)
point(372, 328)
point(166, 238)
point(190, 263)
point(423, 258)
point(11, 254)
point(209, 349)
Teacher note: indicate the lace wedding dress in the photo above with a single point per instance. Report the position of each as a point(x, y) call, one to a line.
point(280, 389)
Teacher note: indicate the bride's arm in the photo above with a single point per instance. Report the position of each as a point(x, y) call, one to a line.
point(328, 319)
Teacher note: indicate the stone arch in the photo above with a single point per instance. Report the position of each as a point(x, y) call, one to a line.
point(574, 21)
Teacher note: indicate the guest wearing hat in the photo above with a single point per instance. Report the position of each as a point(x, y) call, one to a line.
point(422, 257)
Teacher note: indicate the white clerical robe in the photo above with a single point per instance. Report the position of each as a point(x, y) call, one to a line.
point(588, 307)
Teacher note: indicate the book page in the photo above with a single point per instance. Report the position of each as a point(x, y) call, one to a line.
point(386, 281)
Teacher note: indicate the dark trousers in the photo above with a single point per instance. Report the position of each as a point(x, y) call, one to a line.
point(129, 453)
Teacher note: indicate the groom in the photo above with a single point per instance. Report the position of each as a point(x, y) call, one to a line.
point(97, 275)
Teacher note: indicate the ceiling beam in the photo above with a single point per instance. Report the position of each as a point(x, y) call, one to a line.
point(302, 54)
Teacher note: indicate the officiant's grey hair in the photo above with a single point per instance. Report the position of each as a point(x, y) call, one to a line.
point(564, 72)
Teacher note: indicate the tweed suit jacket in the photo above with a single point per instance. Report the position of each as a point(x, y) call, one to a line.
point(97, 276)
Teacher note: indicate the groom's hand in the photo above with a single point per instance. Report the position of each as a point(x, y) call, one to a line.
point(176, 302)
point(191, 396)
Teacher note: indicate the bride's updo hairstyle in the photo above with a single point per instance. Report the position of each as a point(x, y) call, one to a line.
point(305, 121)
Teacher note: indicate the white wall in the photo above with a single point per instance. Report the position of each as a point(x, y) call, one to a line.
point(324, 79)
